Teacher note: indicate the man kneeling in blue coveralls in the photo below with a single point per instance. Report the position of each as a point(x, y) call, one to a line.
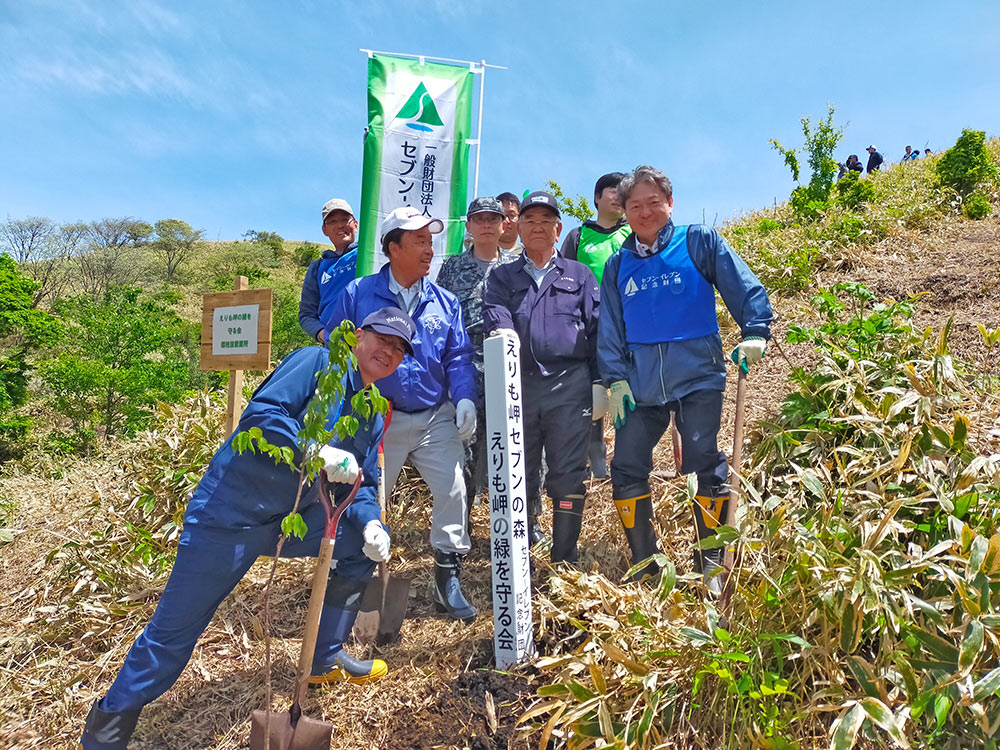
point(234, 517)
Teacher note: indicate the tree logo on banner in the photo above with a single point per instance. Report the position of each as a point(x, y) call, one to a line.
point(420, 107)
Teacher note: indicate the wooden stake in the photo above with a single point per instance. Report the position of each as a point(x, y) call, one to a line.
point(735, 477)
point(235, 405)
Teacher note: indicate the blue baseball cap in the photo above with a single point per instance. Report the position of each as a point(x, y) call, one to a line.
point(392, 322)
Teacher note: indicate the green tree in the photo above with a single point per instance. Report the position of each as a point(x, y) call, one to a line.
point(966, 166)
point(111, 255)
point(820, 141)
point(119, 357)
point(23, 330)
point(271, 240)
point(578, 207)
point(175, 241)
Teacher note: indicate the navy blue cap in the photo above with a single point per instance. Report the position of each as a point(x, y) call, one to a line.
point(540, 198)
point(392, 322)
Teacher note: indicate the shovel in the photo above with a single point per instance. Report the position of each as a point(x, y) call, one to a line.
point(290, 730)
point(735, 477)
point(383, 605)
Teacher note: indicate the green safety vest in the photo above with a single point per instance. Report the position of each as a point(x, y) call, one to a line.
point(595, 247)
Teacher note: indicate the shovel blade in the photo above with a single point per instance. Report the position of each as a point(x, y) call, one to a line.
point(367, 625)
point(307, 734)
point(397, 596)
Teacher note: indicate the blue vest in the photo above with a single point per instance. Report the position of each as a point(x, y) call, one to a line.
point(332, 277)
point(664, 297)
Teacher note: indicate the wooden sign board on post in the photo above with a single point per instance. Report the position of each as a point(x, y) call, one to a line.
point(236, 336)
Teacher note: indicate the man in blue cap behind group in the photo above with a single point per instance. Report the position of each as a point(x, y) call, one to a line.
point(327, 277)
point(433, 393)
point(234, 516)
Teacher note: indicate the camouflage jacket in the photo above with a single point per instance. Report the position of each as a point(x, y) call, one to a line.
point(465, 276)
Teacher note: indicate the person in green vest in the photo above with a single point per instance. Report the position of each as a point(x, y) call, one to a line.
point(592, 244)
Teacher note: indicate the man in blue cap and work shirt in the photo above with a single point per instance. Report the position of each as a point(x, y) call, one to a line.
point(234, 516)
point(433, 393)
point(550, 303)
point(660, 352)
point(327, 277)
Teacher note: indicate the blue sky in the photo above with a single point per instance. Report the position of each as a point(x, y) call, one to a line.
point(240, 115)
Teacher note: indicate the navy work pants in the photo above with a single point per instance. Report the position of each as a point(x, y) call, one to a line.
point(210, 562)
point(556, 415)
point(698, 417)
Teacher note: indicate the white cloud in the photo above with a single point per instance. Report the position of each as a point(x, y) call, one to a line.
point(147, 73)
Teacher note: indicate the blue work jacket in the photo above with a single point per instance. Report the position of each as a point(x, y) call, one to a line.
point(325, 279)
point(659, 373)
point(441, 365)
point(556, 320)
point(246, 490)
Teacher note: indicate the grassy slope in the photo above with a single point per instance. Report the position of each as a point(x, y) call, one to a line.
point(60, 647)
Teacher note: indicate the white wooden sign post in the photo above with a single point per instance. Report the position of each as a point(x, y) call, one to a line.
point(513, 639)
point(236, 336)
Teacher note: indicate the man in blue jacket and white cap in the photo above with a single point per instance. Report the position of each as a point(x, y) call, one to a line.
point(326, 278)
point(433, 393)
point(234, 517)
point(659, 351)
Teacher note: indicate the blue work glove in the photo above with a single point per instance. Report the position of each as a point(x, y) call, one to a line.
point(621, 395)
point(748, 352)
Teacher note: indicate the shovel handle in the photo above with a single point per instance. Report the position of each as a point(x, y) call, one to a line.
point(735, 477)
point(320, 577)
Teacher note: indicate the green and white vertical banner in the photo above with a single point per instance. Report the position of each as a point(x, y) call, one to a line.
point(416, 151)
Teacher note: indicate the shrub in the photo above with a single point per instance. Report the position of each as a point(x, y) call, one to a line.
point(853, 192)
point(976, 206)
point(306, 253)
point(286, 333)
point(118, 359)
point(967, 165)
point(810, 200)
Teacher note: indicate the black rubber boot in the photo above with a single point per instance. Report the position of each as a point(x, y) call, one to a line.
point(635, 509)
point(567, 518)
point(710, 509)
point(535, 533)
point(448, 595)
point(332, 663)
point(108, 730)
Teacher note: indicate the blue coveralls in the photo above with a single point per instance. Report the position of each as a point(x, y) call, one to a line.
point(234, 516)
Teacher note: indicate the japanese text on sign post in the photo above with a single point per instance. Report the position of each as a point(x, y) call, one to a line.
point(234, 329)
point(513, 639)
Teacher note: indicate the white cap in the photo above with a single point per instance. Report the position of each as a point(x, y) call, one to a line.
point(408, 218)
point(336, 204)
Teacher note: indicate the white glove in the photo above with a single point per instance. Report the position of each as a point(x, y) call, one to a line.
point(465, 418)
point(748, 352)
point(601, 403)
point(508, 332)
point(376, 546)
point(340, 466)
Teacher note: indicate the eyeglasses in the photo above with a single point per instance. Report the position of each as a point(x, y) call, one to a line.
point(391, 342)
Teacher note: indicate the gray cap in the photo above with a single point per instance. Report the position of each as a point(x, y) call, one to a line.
point(337, 204)
point(540, 198)
point(393, 322)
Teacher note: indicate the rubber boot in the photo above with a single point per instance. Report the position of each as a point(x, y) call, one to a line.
point(535, 533)
point(448, 595)
point(635, 509)
point(340, 610)
point(108, 730)
point(567, 519)
point(710, 508)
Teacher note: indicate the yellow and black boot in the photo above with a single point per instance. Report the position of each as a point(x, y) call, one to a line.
point(710, 508)
point(635, 509)
point(567, 519)
point(331, 662)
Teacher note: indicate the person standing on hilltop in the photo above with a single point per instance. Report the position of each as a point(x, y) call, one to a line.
point(592, 244)
point(659, 351)
point(327, 277)
point(874, 159)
